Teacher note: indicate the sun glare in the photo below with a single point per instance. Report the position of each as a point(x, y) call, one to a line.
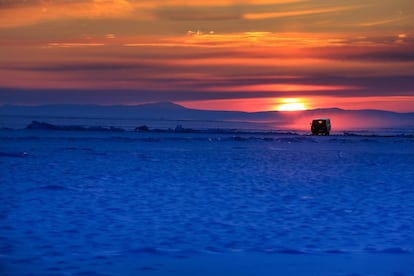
point(291, 105)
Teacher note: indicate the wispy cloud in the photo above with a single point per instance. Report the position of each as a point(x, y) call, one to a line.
point(20, 13)
point(198, 13)
point(27, 13)
point(292, 13)
point(71, 45)
point(380, 22)
point(154, 17)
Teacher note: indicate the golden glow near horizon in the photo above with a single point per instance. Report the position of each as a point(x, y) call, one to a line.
point(214, 54)
point(291, 104)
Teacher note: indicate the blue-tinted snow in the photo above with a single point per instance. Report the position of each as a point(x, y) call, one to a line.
point(76, 203)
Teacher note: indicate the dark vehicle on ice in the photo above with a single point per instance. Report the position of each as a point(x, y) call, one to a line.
point(321, 126)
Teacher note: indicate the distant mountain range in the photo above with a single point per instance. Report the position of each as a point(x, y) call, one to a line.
point(341, 119)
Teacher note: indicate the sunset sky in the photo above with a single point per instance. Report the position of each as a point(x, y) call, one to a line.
point(211, 54)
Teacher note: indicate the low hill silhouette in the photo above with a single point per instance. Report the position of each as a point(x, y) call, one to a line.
point(341, 119)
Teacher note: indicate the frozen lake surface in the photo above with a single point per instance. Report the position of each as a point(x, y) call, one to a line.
point(90, 203)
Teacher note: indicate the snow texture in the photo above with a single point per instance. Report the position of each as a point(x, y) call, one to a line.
point(129, 203)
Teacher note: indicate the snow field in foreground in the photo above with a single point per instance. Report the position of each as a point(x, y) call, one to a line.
point(157, 204)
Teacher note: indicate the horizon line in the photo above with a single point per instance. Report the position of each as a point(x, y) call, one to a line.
point(197, 109)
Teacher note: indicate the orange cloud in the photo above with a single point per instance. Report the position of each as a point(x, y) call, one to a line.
point(256, 16)
point(248, 42)
point(15, 14)
point(159, 3)
point(72, 45)
point(379, 22)
point(38, 12)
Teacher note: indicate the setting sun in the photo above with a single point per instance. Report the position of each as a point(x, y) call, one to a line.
point(291, 105)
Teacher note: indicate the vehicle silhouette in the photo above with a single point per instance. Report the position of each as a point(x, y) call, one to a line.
point(321, 126)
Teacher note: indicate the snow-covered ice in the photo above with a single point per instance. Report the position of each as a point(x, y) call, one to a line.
point(103, 203)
